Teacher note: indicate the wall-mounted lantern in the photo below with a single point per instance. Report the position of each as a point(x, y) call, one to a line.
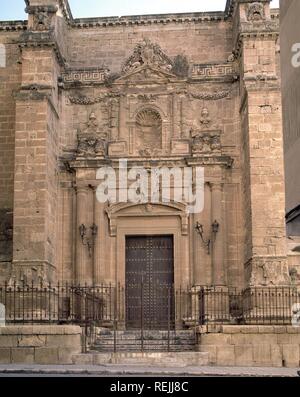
point(214, 230)
point(88, 239)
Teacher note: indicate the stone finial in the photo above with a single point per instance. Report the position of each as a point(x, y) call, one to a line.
point(256, 12)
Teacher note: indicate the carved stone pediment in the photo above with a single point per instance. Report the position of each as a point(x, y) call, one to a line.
point(147, 53)
point(146, 74)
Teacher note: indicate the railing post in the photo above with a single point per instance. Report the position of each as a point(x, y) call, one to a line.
point(115, 318)
point(142, 316)
point(169, 317)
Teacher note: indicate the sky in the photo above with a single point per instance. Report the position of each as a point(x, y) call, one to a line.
point(14, 9)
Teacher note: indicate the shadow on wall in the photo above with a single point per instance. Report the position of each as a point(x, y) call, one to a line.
point(293, 222)
point(2, 56)
point(6, 246)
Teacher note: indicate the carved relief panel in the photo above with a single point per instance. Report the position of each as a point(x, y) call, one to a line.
point(150, 111)
point(92, 138)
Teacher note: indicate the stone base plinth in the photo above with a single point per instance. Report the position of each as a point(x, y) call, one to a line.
point(251, 346)
point(36, 344)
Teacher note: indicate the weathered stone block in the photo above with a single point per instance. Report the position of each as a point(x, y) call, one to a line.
point(262, 355)
point(225, 355)
point(211, 350)
point(22, 355)
point(8, 341)
point(243, 355)
point(5, 355)
point(46, 355)
point(276, 356)
point(290, 355)
point(63, 340)
point(215, 339)
point(32, 341)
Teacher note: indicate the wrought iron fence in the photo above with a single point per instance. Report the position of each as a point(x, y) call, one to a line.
point(257, 305)
point(164, 307)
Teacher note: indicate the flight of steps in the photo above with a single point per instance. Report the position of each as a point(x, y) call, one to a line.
point(153, 341)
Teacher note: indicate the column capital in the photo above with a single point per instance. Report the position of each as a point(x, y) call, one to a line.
point(216, 186)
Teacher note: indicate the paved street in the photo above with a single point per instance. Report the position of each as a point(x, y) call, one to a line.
point(135, 370)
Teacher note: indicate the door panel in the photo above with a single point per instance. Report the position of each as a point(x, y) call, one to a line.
point(149, 282)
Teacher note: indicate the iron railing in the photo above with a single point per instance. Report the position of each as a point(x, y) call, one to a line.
point(110, 306)
point(255, 305)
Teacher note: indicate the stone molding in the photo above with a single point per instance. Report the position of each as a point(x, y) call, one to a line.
point(201, 17)
point(12, 26)
point(146, 210)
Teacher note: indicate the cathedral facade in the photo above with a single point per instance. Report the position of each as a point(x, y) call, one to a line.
point(198, 91)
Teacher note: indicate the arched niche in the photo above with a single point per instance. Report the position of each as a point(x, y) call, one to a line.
point(148, 130)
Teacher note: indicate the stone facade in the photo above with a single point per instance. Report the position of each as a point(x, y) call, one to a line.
point(290, 97)
point(290, 68)
point(198, 89)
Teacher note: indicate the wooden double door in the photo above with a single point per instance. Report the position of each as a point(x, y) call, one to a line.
point(150, 282)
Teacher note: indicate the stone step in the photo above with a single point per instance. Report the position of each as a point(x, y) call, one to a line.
point(146, 347)
point(170, 359)
point(180, 334)
point(148, 341)
point(138, 339)
point(153, 340)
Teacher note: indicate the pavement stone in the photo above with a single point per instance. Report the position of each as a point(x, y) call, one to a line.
point(121, 370)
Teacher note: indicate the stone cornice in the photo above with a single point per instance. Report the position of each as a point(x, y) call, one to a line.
point(36, 92)
point(12, 26)
point(197, 17)
point(40, 40)
point(223, 161)
point(66, 10)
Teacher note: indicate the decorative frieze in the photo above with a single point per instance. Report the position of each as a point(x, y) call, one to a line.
point(85, 76)
point(83, 100)
point(213, 71)
point(207, 96)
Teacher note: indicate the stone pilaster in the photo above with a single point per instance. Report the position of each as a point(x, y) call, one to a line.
point(36, 148)
point(218, 238)
point(256, 36)
point(82, 253)
point(101, 245)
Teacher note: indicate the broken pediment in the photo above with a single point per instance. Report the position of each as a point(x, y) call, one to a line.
point(148, 62)
point(146, 74)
